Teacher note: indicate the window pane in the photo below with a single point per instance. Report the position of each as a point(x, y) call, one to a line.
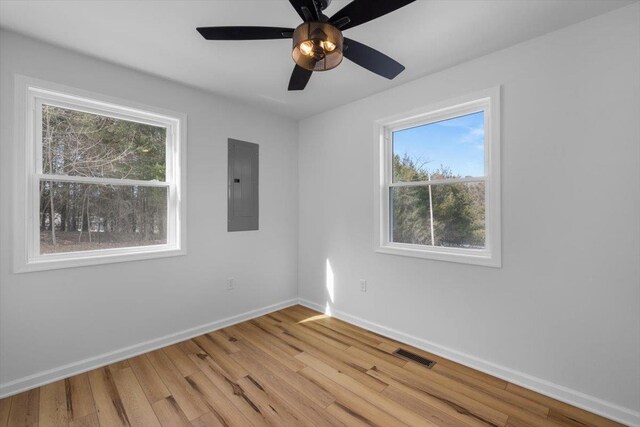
point(458, 215)
point(448, 149)
point(91, 216)
point(457, 209)
point(84, 144)
point(410, 218)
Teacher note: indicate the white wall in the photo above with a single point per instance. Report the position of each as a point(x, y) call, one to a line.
point(565, 306)
point(49, 319)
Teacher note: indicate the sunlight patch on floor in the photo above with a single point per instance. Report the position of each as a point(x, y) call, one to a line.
point(314, 318)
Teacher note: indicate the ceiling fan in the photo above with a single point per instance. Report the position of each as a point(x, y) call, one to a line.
point(318, 43)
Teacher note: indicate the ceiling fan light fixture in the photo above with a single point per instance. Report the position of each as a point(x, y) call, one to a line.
point(317, 46)
point(328, 46)
point(306, 47)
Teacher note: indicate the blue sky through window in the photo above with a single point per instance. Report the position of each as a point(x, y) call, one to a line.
point(456, 143)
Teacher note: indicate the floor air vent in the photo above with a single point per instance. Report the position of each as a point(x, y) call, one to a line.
point(414, 358)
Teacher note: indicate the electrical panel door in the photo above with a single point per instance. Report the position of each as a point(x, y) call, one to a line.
point(243, 186)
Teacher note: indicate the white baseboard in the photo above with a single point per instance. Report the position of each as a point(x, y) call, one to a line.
point(52, 375)
point(572, 397)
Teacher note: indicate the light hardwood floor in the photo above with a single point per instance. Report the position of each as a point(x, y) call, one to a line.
point(289, 368)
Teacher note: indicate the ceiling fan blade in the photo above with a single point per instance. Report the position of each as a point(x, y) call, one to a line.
point(369, 58)
point(299, 78)
point(245, 33)
point(361, 11)
point(306, 9)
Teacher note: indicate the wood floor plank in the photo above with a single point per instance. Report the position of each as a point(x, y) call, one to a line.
point(136, 405)
point(347, 416)
point(227, 335)
point(169, 413)
point(190, 347)
point(339, 359)
point(297, 401)
point(428, 412)
point(79, 398)
point(180, 360)
point(446, 403)
point(313, 335)
point(374, 352)
point(481, 387)
point(264, 342)
point(452, 398)
point(208, 420)
point(400, 412)
point(450, 365)
point(388, 347)
point(108, 403)
point(353, 332)
point(295, 315)
point(180, 389)
point(374, 359)
point(25, 408)
point(322, 322)
point(230, 387)
point(506, 403)
point(301, 384)
point(274, 339)
point(352, 403)
point(561, 411)
point(90, 420)
point(149, 379)
point(292, 367)
point(118, 365)
point(224, 340)
point(216, 401)
point(224, 360)
point(274, 321)
point(463, 377)
point(475, 380)
point(268, 325)
point(270, 405)
point(468, 416)
point(5, 407)
point(269, 343)
point(457, 378)
point(53, 405)
point(343, 335)
point(573, 417)
point(334, 322)
point(514, 422)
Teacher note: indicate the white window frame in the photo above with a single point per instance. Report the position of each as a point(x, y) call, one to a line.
point(30, 95)
point(487, 101)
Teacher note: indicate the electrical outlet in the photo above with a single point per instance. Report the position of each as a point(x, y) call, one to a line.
point(231, 283)
point(363, 285)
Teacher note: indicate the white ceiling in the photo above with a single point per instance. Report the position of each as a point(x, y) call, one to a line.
point(159, 37)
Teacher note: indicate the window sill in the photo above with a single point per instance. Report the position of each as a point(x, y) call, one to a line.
point(463, 256)
point(82, 259)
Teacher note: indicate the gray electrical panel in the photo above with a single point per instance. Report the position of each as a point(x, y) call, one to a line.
point(243, 186)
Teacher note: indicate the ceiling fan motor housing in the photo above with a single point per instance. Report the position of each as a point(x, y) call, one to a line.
point(317, 46)
point(322, 4)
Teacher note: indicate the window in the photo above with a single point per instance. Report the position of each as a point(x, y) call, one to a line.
point(102, 180)
point(439, 182)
